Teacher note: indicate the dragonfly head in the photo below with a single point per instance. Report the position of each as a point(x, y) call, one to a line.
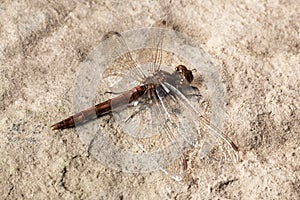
point(185, 73)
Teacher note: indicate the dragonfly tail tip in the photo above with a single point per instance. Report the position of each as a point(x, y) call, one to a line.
point(54, 127)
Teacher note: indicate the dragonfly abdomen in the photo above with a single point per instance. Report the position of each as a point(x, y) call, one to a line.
point(100, 109)
point(83, 116)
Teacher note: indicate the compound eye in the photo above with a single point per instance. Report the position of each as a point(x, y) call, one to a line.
point(187, 74)
point(180, 68)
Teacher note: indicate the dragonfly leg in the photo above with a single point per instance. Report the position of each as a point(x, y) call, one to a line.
point(115, 93)
point(195, 93)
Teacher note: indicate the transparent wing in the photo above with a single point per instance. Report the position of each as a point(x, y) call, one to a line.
point(184, 122)
point(124, 68)
point(223, 141)
point(165, 141)
point(226, 149)
point(125, 72)
point(160, 124)
point(157, 55)
point(165, 124)
point(179, 129)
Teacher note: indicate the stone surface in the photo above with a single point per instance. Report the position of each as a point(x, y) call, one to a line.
point(255, 46)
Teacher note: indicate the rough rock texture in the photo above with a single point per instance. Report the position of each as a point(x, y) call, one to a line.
point(255, 46)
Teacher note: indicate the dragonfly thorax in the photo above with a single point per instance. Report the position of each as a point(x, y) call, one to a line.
point(157, 78)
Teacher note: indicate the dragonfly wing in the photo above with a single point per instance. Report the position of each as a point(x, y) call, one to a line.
point(119, 83)
point(181, 129)
point(224, 148)
point(161, 140)
point(123, 66)
point(137, 120)
point(151, 122)
point(164, 109)
point(167, 154)
point(214, 132)
point(172, 130)
point(184, 122)
point(125, 72)
point(156, 56)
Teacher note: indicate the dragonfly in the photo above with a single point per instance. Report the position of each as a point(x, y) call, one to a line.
point(159, 108)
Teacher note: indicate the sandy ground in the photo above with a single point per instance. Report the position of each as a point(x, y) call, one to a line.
point(254, 45)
